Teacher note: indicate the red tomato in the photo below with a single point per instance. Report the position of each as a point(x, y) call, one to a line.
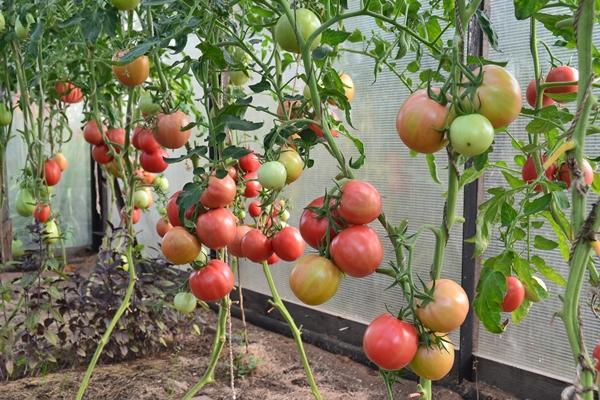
point(173, 210)
point(212, 282)
point(249, 162)
point(288, 244)
point(360, 202)
point(216, 228)
point(434, 362)
point(134, 73)
point(232, 172)
point(68, 92)
point(62, 162)
point(564, 73)
point(136, 215)
point(154, 162)
point(253, 187)
point(42, 213)
point(146, 177)
point(168, 131)
point(529, 175)
point(515, 294)
point(531, 96)
point(319, 131)
point(499, 96)
point(390, 343)
point(179, 246)
point(273, 259)
point(235, 247)
point(100, 154)
point(52, 172)
point(596, 356)
point(219, 192)
point(92, 134)
point(163, 226)
point(448, 309)
point(420, 123)
point(357, 251)
point(254, 209)
point(564, 173)
point(312, 228)
point(315, 279)
point(256, 246)
point(143, 140)
point(116, 136)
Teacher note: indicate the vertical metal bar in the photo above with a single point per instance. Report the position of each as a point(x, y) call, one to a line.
point(473, 193)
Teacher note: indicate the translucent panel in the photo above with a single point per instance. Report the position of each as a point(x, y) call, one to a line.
point(539, 343)
point(72, 195)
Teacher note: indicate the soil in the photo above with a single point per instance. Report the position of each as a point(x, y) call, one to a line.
point(277, 374)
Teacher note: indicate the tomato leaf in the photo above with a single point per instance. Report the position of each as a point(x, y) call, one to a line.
point(596, 184)
point(540, 242)
point(564, 245)
point(488, 301)
point(547, 271)
point(486, 27)
point(520, 313)
point(236, 123)
point(537, 205)
point(235, 152)
point(512, 180)
point(430, 158)
point(526, 8)
point(260, 86)
point(333, 37)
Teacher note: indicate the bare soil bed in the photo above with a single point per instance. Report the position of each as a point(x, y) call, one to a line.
point(277, 375)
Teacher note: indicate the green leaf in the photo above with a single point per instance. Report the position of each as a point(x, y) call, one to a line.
point(596, 184)
point(562, 97)
point(547, 271)
point(212, 53)
point(520, 313)
point(430, 158)
point(486, 27)
point(512, 180)
point(540, 242)
point(138, 51)
point(356, 36)
point(526, 8)
point(507, 214)
point(261, 86)
point(564, 244)
point(235, 152)
point(488, 301)
point(333, 37)
point(561, 199)
point(537, 205)
point(470, 175)
point(236, 123)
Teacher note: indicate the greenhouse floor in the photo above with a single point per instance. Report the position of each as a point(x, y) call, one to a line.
point(277, 375)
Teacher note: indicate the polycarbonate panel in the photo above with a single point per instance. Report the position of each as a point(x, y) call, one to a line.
point(539, 343)
point(72, 195)
point(404, 182)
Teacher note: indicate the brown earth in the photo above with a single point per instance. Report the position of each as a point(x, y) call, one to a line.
point(277, 375)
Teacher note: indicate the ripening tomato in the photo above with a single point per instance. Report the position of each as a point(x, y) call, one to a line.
point(161, 183)
point(169, 131)
point(163, 226)
point(256, 246)
point(420, 123)
point(360, 202)
point(52, 172)
point(390, 343)
point(136, 215)
point(235, 247)
point(313, 228)
point(155, 161)
point(179, 246)
point(529, 174)
point(319, 131)
point(143, 139)
point(100, 154)
point(147, 178)
point(305, 21)
point(68, 92)
point(288, 244)
point(173, 210)
point(448, 309)
point(596, 356)
point(254, 209)
point(116, 137)
point(142, 199)
point(253, 186)
point(471, 134)
point(216, 228)
point(531, 96)
point(62, 162)
point(563, 73)
point(499, 96)
point(314, 279)
point(42, 213)
point(125, 5)
point(357, 251)
point(564, 173)
point(249, 163)
point(293, 163)
point(134, 73)
point(92, 134)
point(212, 282)
point(219, 192)
point(348, 85)
point(515, 294)
point(434, 362)
point(272, 175)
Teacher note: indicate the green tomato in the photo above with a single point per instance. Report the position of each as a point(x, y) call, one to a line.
point(50, 234)
point(239, 56)
point(25, 203)
point(539, 294)
point(2, 22)
point(471, 134)
point(238, 78)
point(147, 105)
point(125, 5)
point(284, 215)
point(5, 115)
point(185, 302)
point(272, 175)
point(142, 199)
point(21, 31)
point(17, 248)
point(306, 21)
point(124, 263)
point(306, 92)
point(161, 183)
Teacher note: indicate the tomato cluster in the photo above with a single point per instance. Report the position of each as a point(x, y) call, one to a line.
point(554, 95)
point(554, 172)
